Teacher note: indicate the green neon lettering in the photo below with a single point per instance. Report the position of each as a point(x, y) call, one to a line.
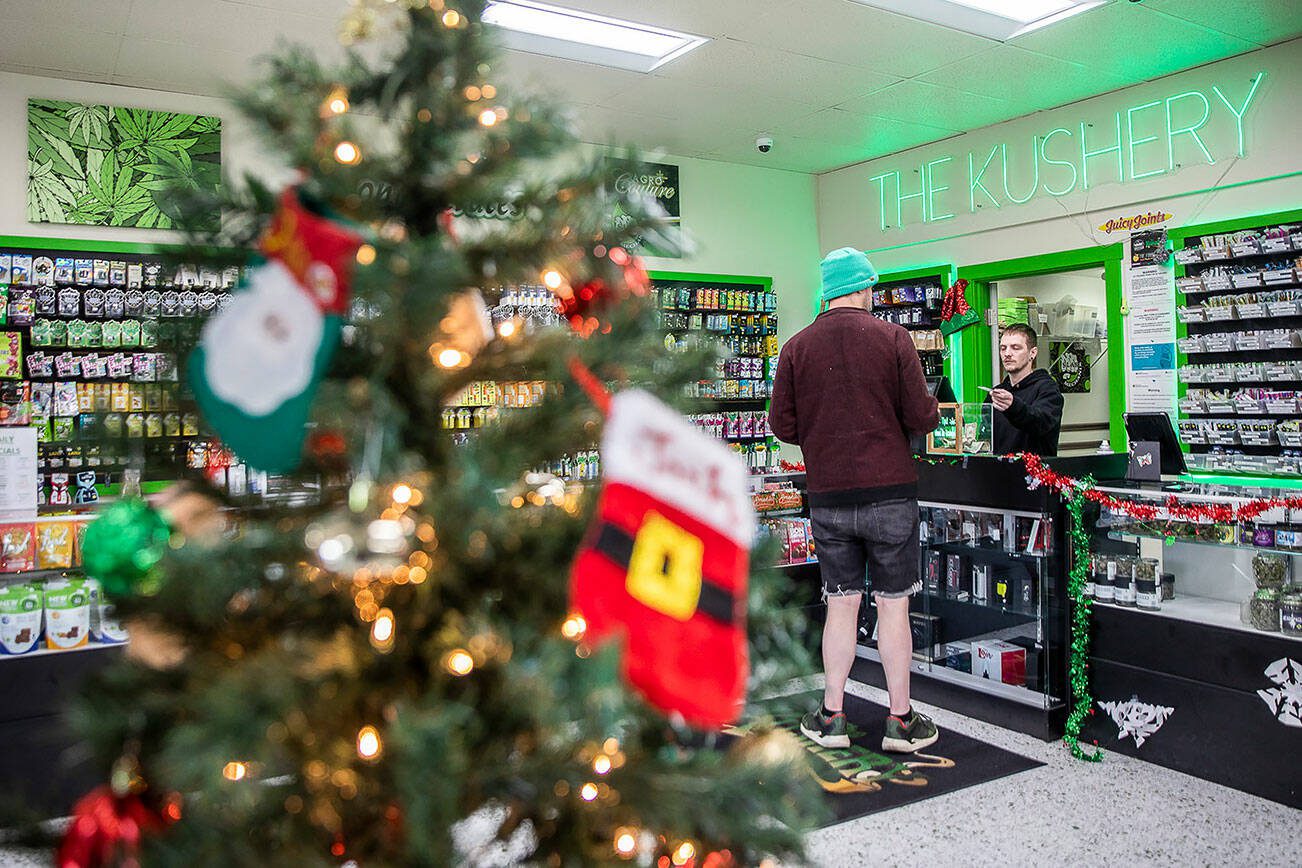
point(1130, 130)
point(1172, 132)
point(932, 189)
point(1239, 113)
point(881, 191)
point(974, 179)
point(900, 198)
point(1086, 153)
point(1044, 152)
point(1035, 153)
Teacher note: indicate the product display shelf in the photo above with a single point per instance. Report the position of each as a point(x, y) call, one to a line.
point(991, 619)
point(740, 313)
point(913, 302)
point(1239, 296)
point(1200, 671)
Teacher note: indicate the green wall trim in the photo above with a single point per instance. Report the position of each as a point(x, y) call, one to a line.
point(976, 350)
point(944, 271)
point(35, 243)
point(766, 282)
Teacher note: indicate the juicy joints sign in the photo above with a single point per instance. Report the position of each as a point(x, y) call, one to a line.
point(1139, 141)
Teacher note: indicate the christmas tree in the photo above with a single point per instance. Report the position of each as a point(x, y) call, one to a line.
point(383, 668)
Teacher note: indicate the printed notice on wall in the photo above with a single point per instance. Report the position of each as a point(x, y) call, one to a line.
point(1150, 334)
point(17, 475)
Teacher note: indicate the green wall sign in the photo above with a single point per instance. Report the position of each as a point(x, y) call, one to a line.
point(1137, 142)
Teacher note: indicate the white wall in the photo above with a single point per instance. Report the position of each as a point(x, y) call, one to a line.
point(849, 205)
point(240, 151)
point(753, 221)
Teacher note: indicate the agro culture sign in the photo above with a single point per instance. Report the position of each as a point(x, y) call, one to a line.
point(659, 181)
point(1137, 142)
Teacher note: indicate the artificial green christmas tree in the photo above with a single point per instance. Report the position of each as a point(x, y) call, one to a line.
point(372, 671)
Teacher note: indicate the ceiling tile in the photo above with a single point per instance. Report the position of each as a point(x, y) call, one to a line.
point(38, 47)
point(100, 16)
point(1132, 41)
point(223, 26)
point(174, 67)
point(743, 66)
point(1262, 21)
point(709, 18)
point(701, 107)
point(859, 35)
point(1027, 81)
point(570, 80)
point(867, 136)
point(933, 105)
point(332, 9)
point(603, 125)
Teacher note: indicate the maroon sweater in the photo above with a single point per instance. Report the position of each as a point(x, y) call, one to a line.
point(849, 390)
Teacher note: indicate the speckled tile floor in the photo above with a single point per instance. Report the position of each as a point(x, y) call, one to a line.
point(1067, 813)
point(1122, 811)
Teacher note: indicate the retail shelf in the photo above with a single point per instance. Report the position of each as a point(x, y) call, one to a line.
point(793, 566)
point(35, 575)
point(46, 652)
point(1204, 610)
point(1011, 692)
point(1022, 615)
point(1127, 536)
point(779, 513)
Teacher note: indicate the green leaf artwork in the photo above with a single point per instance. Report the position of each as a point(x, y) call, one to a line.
point(104, 166)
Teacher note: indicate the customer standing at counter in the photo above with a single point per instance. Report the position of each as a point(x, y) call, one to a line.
point(849, 390)
point(1028, 403)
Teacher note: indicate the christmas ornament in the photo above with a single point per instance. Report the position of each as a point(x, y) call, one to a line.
point(955, 313)
point(256, 368)
point(106, 830)
point(1136, 719)
point(123, 545)
point(665, 563)
point(582, 305)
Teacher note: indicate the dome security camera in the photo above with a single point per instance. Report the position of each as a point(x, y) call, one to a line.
point(764, 144)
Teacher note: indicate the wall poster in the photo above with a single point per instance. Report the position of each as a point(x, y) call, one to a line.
point(98, 165)
point(659, 180)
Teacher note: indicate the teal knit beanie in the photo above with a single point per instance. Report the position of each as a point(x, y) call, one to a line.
point(845, 271)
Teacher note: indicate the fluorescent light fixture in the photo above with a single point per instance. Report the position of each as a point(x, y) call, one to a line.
point(574, 35)
point(993, 19)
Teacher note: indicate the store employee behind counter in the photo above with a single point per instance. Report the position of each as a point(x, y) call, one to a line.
point(1028, 404)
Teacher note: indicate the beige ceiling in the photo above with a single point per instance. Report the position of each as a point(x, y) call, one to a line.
point(833, 81)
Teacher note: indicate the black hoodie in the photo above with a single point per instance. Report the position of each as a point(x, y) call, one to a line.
point(1033, 421)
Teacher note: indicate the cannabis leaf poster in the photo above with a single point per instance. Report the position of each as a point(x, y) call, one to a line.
point(105, 166)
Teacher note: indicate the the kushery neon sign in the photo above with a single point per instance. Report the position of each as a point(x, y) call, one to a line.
point(1063, 160)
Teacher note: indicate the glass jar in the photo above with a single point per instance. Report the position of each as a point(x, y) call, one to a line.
point(1270, 571)
point(1261, 610)
point(1103, 583)
point(1148, 590)
point(1123, 583)
point(1290, 612)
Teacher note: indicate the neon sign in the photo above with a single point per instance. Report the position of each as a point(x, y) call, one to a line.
point(1066, 159)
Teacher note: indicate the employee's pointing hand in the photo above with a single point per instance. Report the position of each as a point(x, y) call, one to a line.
point(1001, 398)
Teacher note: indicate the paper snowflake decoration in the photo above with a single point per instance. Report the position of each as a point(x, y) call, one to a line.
point(1284, 701)
point(1136, 719)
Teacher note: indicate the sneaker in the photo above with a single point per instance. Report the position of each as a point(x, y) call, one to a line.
point(918, 733)
point(830, 731)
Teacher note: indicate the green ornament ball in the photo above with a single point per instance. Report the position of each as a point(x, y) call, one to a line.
point(123, 545)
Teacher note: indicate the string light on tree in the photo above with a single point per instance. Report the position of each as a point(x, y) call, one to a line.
point(459, 662)
point(369, 746)
point(552, 279)
point(589, 792)
point(336, 103)
point(382, 630)
point(574, 627)
point(365, 254)
point(625, 842)
point(684, 853)
point(235, 771)
point(348, 153)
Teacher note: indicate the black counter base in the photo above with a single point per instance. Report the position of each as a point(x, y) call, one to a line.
point(1044, 725)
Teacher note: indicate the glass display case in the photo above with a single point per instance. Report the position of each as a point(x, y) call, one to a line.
point(1235, 574)
point(964, 429)
point(986, 616)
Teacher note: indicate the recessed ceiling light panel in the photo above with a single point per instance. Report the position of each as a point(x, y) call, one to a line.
point(993, 19)
point(575, 35)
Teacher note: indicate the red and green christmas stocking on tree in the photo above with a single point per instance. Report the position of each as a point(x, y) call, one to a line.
point(257, 365)
point(665, 564)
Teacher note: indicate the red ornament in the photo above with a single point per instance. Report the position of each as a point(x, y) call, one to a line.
point(106, 830)
point(584, 305)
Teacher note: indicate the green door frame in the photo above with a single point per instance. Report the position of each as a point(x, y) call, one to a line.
point(945, 272)
point(975, 354)
point(756, 280)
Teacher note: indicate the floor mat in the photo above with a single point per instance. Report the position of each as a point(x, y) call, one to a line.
point(861, 779)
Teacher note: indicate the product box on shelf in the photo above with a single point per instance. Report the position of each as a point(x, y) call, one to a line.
point(21, 611)
point(999, 661)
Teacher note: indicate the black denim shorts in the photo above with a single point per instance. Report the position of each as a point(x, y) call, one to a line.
point(872, 543)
